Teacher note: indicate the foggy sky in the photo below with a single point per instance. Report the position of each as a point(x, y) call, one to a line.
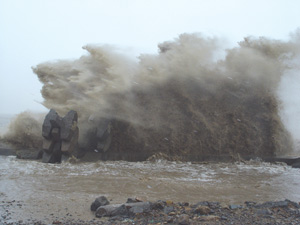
point(35, 31)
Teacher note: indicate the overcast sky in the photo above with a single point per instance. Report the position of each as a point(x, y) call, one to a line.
point(34, 31)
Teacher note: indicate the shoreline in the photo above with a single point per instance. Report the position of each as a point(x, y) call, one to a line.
point(68, 210)
point(184, 213)
point(34, 154)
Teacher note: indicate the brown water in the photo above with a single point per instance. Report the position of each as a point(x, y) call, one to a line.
point(59, 189)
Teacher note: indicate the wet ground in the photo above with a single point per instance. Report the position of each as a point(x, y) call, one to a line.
point(47, 192)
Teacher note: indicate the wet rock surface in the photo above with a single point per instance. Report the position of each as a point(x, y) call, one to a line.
point(60, 136)
point(167, 212)
point(101, 201)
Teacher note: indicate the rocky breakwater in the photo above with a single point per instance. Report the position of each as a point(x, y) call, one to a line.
point(135, 211)
point(60, 136)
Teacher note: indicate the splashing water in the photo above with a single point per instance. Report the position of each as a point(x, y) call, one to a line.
point(194, 99)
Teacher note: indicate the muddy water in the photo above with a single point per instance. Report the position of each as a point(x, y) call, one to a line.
point(47, 191)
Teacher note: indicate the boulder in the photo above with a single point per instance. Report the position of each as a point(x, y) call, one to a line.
point(69, 125)
point(48, 158)
point(111, 210)
point(101, 201)
point(60, 136)
point(54, 156)
point(127, 209)
point(48, 146)
point(72, 144)
point(52, 119)
point(139, 207)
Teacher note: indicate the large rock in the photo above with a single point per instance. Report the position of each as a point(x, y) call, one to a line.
point(52, 120)
point(60, 136)
point(126, 209)
point(49, 158)
point(72, 144)
point(101, 201)
point(69, 125)
point(48, 146)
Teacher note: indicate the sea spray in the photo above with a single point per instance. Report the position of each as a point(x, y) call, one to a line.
point(24, 131)
point(187, 101)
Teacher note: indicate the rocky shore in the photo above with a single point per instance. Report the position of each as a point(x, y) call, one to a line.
point(135, 211)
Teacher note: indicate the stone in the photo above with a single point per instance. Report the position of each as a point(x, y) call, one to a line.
point(169, 202)
point(200, 203)
point(55, 134)
point(48, 146)
point(111, 210)
point(223, 218)
point(184, 219)
point(133, 200)
point(264, 212)
point(224, 206)
point(123, 209)
point(100, 201)
point(48, 158)
point(210, 218)
point(56, 148)
point(170, 219)
point(119, 211)
point(130, 200)
point(168, 209)
point(250, 203)
point(296, 165)
point(294, 204)
point(273, 204)
point(188, 209)
point(60, 136)
point(202, 210)
point(157, 205)
point(139, 207)
point(69, 125)
point(233, 206)
point(70, 146)
point(29, 154)
point(47, 125)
